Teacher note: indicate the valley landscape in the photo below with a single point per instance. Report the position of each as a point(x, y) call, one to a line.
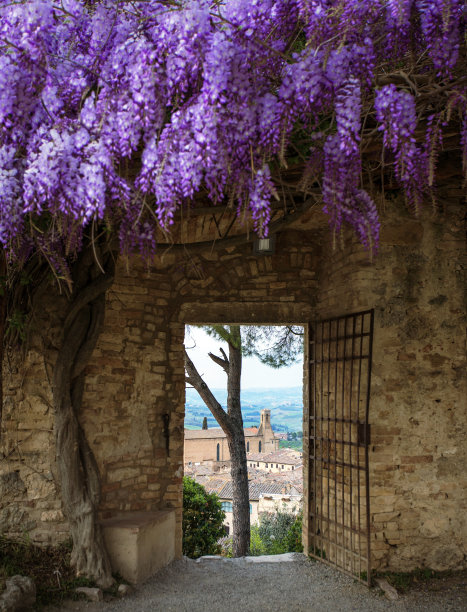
point(285, 404)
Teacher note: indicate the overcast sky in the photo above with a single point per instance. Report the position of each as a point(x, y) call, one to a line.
point(254, 373)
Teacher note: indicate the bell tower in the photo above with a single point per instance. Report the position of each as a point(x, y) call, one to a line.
point(265, 422)
point(265, 431)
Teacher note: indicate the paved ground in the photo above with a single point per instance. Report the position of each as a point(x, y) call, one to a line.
point(299, 585)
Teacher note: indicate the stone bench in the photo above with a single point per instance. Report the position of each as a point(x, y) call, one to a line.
point(140, 543)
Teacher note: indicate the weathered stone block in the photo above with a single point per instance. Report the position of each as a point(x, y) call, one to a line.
point(140, 543)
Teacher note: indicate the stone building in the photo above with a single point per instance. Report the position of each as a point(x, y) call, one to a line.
point(203, 445)
point(278, 461)
point(264, 497)
point(408, 447)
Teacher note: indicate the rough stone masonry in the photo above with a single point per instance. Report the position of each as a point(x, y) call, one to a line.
point(417, 458)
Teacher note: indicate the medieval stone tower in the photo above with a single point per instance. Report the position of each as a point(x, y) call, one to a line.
point(270, 443)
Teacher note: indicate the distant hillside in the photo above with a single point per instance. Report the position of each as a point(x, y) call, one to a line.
point(286, 405)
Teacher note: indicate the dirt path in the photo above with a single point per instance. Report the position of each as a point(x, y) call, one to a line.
point(256, 585)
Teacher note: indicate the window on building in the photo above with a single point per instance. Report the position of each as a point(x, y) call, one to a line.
point(226, 506)
point(218, 452)
point(251, 509)
point(247, 447)
point(259, 446)
point(293, 467)
point(266, 465)
point(282, 467)
point(257, 464)
point(277, 465)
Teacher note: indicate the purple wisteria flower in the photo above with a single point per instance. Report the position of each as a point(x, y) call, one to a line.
point(120, 113)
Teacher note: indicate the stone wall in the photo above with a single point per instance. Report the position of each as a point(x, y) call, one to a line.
point(134, 378)
point(418, 412)
point(418, 454)
point(129, 389)
point(205, 449)
point(236, 286)
point(29, 492)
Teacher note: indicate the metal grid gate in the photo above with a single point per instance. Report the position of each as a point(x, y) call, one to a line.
point(338, 486)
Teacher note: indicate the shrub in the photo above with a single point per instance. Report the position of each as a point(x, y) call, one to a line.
point(257, 546)
point(293, 539)
point(226, 547)
point(202, 520)
point(280, 532)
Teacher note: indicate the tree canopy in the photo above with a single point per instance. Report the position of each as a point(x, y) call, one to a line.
point(273, 345)
point(115, 114)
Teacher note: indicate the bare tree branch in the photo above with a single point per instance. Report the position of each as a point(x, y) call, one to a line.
point(223, 363)
point(206, 395)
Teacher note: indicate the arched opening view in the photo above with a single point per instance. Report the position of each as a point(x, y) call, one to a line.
point(257, 371)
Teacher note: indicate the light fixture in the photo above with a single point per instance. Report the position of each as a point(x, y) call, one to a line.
point(265, 246)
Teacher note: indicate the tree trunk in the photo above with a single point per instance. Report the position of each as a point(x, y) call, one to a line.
point(78, 471)
point(232, 425)
point(238, 466)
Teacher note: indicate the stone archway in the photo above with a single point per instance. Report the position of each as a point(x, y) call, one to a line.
point(133, 407)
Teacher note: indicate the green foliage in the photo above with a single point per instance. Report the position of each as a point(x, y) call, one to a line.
point(205, 423)
point(293, 538)
point(226, 547)
point(257, 546)
point(293, 444)
point(274, 345)
point(225, 333)
point(203, 520)
point(277, 533)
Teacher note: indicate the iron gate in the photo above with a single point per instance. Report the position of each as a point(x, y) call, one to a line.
point(339, 397)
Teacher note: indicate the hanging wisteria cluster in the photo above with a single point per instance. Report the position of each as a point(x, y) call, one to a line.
point(206, 95)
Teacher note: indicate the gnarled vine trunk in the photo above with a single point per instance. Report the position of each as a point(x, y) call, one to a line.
point(77, 467)
point(3, 298)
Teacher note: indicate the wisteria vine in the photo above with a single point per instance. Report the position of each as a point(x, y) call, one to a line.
point(206, 95)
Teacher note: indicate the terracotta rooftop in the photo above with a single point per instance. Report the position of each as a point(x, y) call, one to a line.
point(215, 432)
point(284, 456)
point(256, 490)
point(214, 485)
point(286, 479)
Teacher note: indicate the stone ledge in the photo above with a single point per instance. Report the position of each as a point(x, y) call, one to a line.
point(140, 543)
point(282, 558)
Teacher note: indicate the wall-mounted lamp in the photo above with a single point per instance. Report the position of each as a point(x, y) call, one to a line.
point(265, 246)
